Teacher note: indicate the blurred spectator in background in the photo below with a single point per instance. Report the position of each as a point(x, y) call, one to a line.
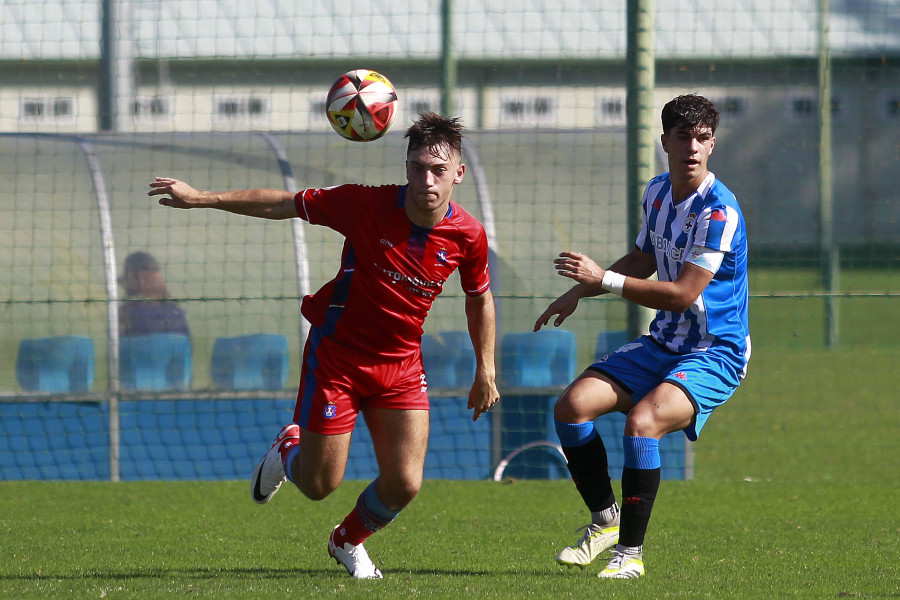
point(148, 307)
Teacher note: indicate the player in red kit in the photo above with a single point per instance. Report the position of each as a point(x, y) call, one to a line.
point(364, 348)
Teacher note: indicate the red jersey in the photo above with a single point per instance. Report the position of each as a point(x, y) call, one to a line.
point(391, 269)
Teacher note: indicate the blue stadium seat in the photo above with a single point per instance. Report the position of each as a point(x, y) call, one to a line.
point(56, 364)
point(250, 362)
point(449, 359)
point(155, 362)
point(608, 341)
point(539, 358)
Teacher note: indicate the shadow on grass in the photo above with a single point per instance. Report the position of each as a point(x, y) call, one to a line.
point(259, 573)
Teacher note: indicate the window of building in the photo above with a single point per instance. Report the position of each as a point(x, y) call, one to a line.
point(417, 107)
point(806, 108)
point(732, 107)
point(47, 110)
point(892, 107)
point(610, 110)
point(236, 109)
point(153, 108)
point(528, 109)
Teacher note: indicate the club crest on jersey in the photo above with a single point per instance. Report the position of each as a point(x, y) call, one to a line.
point(441, 256)
point(330, 411)
point(689, 223)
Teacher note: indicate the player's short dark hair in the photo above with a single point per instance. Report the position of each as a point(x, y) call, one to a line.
point(689, 111)
point(433, 131)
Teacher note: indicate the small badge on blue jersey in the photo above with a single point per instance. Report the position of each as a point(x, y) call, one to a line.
point(689, 222)
point(330, 411)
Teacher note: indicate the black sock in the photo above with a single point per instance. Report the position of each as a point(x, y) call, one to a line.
point(639, 488)
point(590, 472)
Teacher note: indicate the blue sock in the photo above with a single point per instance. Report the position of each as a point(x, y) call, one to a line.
point(641, 452)
point(373, 511)
point(587, 462)
point(572, 435)
point(289, 460)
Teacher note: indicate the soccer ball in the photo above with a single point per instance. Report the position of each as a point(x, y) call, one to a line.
point(361, 105)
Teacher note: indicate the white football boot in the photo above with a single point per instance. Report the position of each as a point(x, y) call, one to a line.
point(623, 566)
point(596, 540)
point(353, 558)
point(269, 472)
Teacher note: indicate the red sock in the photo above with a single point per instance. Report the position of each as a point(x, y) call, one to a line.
point(353, 530)
point(368, 516)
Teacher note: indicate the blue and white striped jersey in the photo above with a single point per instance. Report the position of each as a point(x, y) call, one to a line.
point(712, 219)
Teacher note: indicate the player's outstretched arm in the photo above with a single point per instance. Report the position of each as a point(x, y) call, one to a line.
point(563, 306)
point(262, 203)
point(482, 322)
point(588, 276)
point(637, 266)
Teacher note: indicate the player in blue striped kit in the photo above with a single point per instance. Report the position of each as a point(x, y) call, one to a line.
point(693, 236)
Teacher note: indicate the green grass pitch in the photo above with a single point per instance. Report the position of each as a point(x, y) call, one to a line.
point(731, 539)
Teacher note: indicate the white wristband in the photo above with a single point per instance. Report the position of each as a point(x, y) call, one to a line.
point(613, 282)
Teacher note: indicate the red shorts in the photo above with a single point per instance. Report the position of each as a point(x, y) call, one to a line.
point(337, 381)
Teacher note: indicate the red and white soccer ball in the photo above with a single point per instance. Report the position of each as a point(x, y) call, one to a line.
point(362, 105)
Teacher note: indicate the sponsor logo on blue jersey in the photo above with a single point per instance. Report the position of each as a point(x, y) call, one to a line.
point(666, 247)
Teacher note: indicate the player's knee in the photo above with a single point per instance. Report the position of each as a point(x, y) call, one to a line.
point(401, 493)
point(582, 402)
point(568, 408)
point(562, 410)
point(409, 490)
point(643, 423)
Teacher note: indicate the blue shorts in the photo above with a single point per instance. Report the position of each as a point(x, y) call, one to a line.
point(707, 378)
